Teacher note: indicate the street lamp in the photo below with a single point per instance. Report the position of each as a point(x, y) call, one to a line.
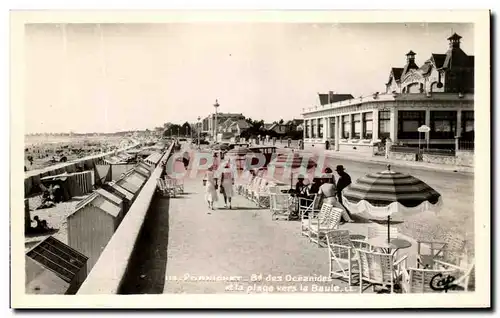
point(199, 128)
point(216, 105)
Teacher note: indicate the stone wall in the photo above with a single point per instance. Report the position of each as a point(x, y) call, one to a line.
point(402, 156)
point(465, 158)
point(442, 159)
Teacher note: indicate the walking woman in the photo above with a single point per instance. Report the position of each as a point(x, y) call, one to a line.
point(210, 182)
point(227, 182)
point(328, 194)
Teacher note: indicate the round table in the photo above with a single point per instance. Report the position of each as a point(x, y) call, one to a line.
point(388, 247)
point(358, 237)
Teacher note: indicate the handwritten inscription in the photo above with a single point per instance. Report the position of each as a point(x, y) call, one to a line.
point(440, 282)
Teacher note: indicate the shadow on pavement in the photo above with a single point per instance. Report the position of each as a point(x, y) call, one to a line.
point(146, 274)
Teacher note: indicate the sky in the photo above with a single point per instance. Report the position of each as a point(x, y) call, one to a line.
point(112, 77)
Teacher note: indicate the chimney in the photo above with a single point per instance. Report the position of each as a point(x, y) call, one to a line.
point(454, 41)
point(410, 57)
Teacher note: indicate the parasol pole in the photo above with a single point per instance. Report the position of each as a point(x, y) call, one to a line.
point(291, 181)
point(388, 229)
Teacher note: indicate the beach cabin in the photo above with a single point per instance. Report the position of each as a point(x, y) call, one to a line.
point(93, 223)
point(153, 159)
point(132, 181)
point(126, 196)
point(53, 267)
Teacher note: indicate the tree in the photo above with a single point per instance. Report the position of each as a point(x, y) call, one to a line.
point(281, 121)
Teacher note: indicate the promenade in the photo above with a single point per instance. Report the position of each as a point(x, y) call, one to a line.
point(191, 249)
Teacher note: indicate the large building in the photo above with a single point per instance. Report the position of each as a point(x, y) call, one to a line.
point(438, 94)
point(208, 124)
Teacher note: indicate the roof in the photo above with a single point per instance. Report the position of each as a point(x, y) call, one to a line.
point(241, 123)
point(323, 98)
point(115, 188)
point(100, 198)
point(438, 59)
point(455, 57)
point(294, 122)
point(131, 183)
point(154, 158)
point(411, 65)
point(58, 257)
point(109, 196)
point(145, 166)
point(142, 171)
point(397, 72)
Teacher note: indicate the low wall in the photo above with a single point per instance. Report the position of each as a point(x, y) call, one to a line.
point(441, 159)
point(402, 156)
point(108, 273)
point(465, 158)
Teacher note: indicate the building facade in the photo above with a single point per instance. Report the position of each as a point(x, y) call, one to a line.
point(438, 94)
point(208, 123)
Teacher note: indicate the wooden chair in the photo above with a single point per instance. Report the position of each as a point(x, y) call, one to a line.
point(307, 213)
point(254, 189)
point(180, 186)
point(419, 280)
point(262, 198)
point(248, 187)
point(378, 269)
point(451, 250)
point(161, 187)
point(330, 221)
point(279, 206)
point(171, 187)
point(466, 275)
point(342, 256)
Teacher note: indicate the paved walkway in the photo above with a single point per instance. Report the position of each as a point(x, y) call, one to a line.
point(242, 244)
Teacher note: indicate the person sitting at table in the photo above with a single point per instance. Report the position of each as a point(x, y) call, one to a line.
point(327, 193)
point(300, 186)
point(313, 189)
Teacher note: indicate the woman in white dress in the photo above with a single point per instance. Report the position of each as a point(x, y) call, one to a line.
point(227, 182)
point(210, 188)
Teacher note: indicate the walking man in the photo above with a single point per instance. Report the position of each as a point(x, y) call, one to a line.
point(342, 183)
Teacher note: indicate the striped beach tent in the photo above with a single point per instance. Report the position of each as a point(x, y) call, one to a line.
point(389, 193)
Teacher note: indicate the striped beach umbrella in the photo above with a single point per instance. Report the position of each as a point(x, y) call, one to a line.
point(389, 193)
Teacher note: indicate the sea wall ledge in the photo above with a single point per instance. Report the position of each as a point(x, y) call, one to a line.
point(108, 274)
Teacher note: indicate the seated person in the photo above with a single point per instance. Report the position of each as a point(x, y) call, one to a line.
point(300, 186)
point(313, 189)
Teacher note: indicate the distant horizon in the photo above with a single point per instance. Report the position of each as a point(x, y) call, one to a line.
point(107, 78)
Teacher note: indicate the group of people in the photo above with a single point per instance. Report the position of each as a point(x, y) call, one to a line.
point(327, 190)
point(224, 186)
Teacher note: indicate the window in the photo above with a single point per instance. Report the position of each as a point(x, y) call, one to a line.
point(367, 125)
point(443, 124)
point(468, 125)
point(332, 127)
point(345, 126)
point(356, 119)
point(313, 127)
point(307, 125)
point(384, 124)
point(408, 123)
point(320, 125)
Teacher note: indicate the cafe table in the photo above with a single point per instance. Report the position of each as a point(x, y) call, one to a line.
point(388, 247)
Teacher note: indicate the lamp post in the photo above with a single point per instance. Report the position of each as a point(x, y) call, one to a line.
point(199, 128)
point(216, 105)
